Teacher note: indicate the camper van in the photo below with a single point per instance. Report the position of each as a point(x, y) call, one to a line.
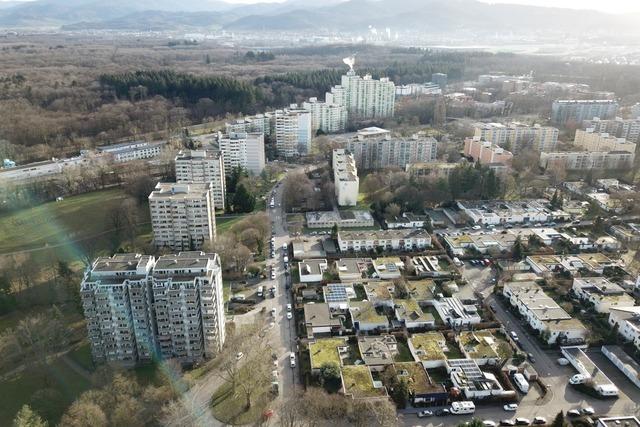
point(521, 383)
point(607, 390)
point(464, 407)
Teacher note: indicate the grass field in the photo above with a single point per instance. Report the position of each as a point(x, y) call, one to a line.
point(61, 224)
point(223, 225)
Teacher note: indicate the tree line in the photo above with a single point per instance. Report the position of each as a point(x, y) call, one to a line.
point(229, 95)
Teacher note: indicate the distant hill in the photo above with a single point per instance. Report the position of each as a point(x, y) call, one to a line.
point(440, 16)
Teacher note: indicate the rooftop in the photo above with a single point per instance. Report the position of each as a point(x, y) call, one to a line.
point(326, 351)
point(395, 234)
point(409, 311)
point(358, 383)
point(429, 346)
point(421, 290)
point(379, 290)
point(174, 191)
point(365, 312)
point(319, 315)
point(312, 267)
point(483, 344)
point(417, 378)
point(378, 350)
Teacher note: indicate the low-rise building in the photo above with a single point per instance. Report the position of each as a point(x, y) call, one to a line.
point(380, 293)
point(544, 314)
point(421, 290)
point(396, 240)
point(327, 350)
point(484, 347)
point(602, 293)
point(407, 220)
point(388, 268)
point(320, 320)
point(423, 390)
point(312, 270)
point(337, 295)
point(429, 348)
point(627, 421)
point(408, 312)
point(427, 266)
point(353, 269)
point(136, 150)
point(378, 352)
point(627, 320)
point(343, 219)
point(366, 318)
point(358, 383)
point(549, 264)
point(456, 314)
point(496, 212)
point(482, 243)
point(466, 375)
point(627, 232)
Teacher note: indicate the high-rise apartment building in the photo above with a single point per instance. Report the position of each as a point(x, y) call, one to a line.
point(293, 132)
point(203, 166)
point(345, 176)
point(577, 111)
point(364, 97)
point(375, 148)
point(593, 141)
point(325, 117)
point(188, 305)
point(585, 160)
point(182, 215)
point(260, 123)
point(243, 149)
point(116, 299)
point(138, 308)
point(628, 129)
point(486, 152)
point(635, 111)
point(516, 136)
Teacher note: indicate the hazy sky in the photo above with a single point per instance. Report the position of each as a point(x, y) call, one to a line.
point(614, 6)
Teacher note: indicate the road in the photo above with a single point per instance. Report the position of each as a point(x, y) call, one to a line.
point(281, 337)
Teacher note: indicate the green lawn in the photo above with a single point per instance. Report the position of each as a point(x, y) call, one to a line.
point(64, 384)
point(61, 223)
point(230, 408)
point(223, 225)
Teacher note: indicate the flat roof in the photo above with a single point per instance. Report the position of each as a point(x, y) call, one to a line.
point(358, 382)
point(318, 315)
point(378, 350)
point(429, 346)
point(326, 351)
point(365, 311)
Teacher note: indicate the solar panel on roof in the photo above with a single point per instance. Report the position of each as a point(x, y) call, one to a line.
point(336, 293)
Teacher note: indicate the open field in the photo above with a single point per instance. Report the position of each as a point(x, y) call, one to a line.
point(62, 224)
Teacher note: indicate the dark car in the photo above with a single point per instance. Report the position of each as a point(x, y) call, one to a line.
point(531, 358)
point(508, 422)
point(442, 412)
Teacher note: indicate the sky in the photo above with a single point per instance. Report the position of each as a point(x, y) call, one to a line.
point(613, 6)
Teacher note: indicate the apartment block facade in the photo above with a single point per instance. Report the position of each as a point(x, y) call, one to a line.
point(188, 305)
point(628, 129)
point(203, 166)
point(486, 152)
point(577, 111)
point(260, 123)
point(375, 148)
point(516, 136)
point(583, 160)
point(345, 176)
point(182, 215)
point(138, 308)
point(293, 132)
point(115, 295)
point(364, 97)
point(325, 117)
point(593, 141)
point(244, 149)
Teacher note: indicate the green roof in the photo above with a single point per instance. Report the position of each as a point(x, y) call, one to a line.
point(429, 346)
point(365, 311)
point(358, 382)
point(325, 350)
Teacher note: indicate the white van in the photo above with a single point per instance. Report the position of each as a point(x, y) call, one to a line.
point(607, 390)
point(521, 383)
point(464, 407)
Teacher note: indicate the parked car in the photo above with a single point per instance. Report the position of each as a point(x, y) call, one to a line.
point(563, 362)
point(514, 336)
point(539, 420)
point(523, 421)
point(573, 413)
point(531, 358)
point(274, 312)
point(508, 422)
point(577, 379)
point(510, 407)
point(292, 359)
point(289, 315)
point(489, 423)
point(424, 414)
point(588, 411)
point(239, 356)
point(289, 307)
point(443, 412)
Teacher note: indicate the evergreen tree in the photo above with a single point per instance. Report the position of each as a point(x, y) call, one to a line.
point(330, 376)
point(243, 200)
point(400, 393)
point(518, 250)
point(559, 421)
